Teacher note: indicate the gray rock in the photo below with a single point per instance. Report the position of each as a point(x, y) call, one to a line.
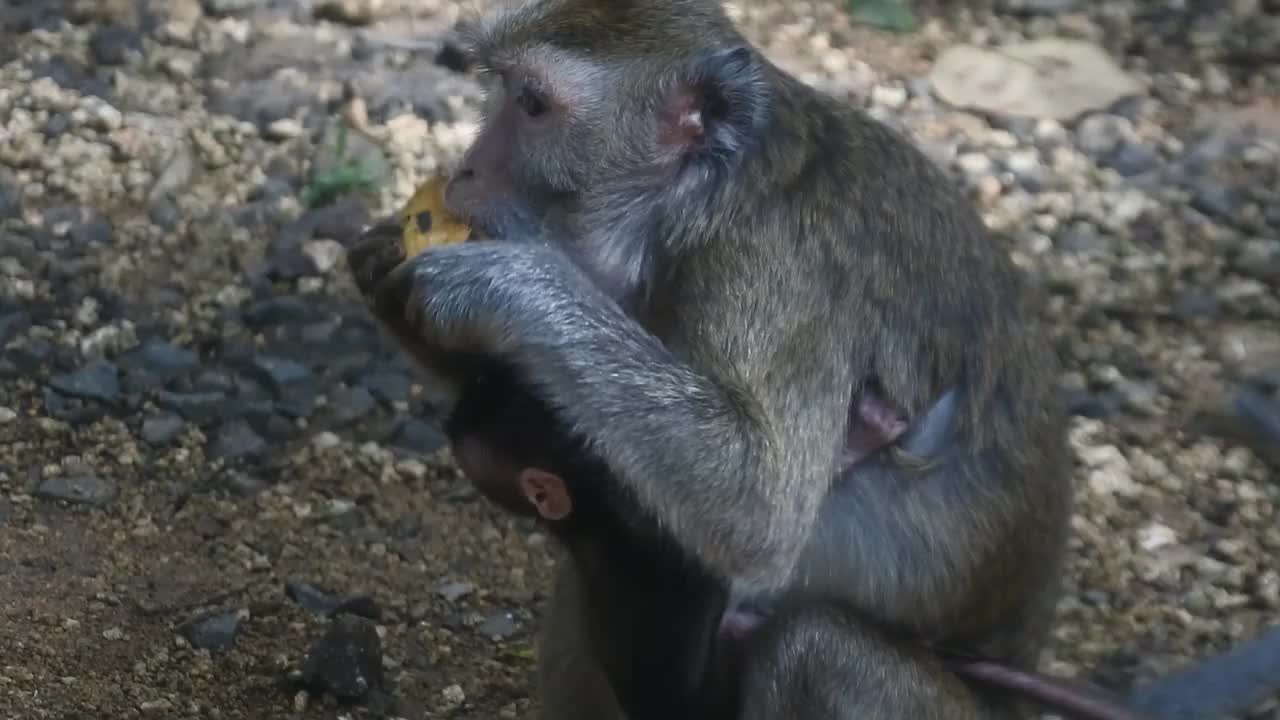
point(347, 661)
point(1130, 158)
point(285, 309)
point(454, 591)
point(1036, 7)
point(310, 597)
point(196, 407)
point(161, 358)
point(79, 489)
point(12, 324)
point(235, 440)
point(292, 384)
point(347, 405)
point(215, 632)
point(56, 125)
point(163, 213)
point(388, 386)
point(161, 429)
point(418, 436)
point(96, 230)
point(350, 12)
point(1196, 303)
point(1101, 133)
point(99, 380)
point(220, 8)
point(1081, 238)
point(113, 44)
point(324, 602)
point(499, 626)
point(73, 76)
point(214, 381)
point(1214, 198)
point(10, 201)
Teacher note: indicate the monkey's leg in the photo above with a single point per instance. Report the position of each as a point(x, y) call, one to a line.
point(570, 684)
point(819, 663)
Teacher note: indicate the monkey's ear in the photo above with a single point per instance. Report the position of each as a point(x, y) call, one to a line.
point(717, 107)
point(546, 492)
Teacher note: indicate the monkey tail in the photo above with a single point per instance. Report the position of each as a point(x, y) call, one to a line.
point(1071, 699)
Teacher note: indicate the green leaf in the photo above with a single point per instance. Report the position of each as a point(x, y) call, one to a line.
point(892, 15)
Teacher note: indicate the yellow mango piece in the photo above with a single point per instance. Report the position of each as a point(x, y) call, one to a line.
point(427, 223)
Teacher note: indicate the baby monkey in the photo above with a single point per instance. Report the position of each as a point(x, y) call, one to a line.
point(652, 611)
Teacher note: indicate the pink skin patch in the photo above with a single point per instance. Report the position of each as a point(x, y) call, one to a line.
point(873, 424)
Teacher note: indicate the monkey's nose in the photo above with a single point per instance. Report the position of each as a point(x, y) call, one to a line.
point(464, 173)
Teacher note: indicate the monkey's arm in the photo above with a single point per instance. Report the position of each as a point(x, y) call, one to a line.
point(734, 472)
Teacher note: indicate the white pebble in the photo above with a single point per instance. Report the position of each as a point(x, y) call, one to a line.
point(103, 115)
point(1155, 536)
point(974, 164)
point(284, 129)
point(324, 253)
point(325, 440)
point(890, 96)
point(453, 695)
point(7, 415)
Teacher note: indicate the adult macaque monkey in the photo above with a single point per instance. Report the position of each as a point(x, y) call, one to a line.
point(732, 287)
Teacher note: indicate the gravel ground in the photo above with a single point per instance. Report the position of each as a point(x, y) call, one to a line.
point(220, 496)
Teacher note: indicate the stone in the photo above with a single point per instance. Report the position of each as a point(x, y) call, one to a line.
point(196, 407)
point(236, 440)
point(113, 44)
point(347, 405)
point(1048, 78)
point(498, 626)
point(1214, 198)
point(310, 597)
point(99, 381)
point(1037, 7)
point(215, 632)
point(160, 358)
point(1131, 158)
point(12, 324)
point(347, 661)
point(388, 386)
point(324, 253)
point(454, 591)
point(350, 12)
point(163, 429)
point(220, 8)
point(1101, 133)
point(78, 489)
point(292, 384)
point(282, 310)
point(418, 436)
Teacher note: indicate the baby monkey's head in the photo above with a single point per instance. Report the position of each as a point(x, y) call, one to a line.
point(517, 453)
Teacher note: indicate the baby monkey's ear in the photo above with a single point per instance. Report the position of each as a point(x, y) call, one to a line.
point(547, 493)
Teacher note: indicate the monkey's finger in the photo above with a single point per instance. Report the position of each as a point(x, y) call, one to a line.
point(393, 292)
point(376, 254)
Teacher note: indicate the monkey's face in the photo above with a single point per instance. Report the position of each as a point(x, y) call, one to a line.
point(529, 162)
point(583, 119)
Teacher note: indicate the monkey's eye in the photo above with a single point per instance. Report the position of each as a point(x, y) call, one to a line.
point(531, 101)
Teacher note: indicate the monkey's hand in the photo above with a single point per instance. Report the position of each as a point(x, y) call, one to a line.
point(372, 258)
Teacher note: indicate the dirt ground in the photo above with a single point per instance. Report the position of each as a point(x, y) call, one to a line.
point(179, 519)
